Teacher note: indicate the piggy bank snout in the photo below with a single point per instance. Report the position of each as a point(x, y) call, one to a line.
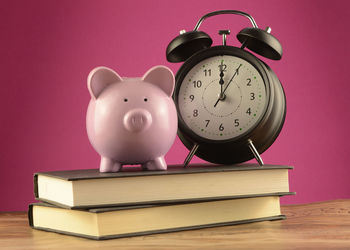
point(137, 120)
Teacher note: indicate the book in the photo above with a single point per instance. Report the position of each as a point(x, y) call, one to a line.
point(116, 222)
point(200, 182)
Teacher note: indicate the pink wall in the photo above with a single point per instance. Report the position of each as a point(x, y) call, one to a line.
point(47, 49)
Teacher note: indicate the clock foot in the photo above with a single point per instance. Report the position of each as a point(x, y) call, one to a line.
point(190, 155)
point(255, 153)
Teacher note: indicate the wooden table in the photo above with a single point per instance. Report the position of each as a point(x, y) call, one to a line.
point(311, 226)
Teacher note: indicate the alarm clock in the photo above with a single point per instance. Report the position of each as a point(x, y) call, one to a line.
point(231, 106)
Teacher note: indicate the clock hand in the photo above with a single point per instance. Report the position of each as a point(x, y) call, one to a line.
point(223, 93)
point(236, 73)
point(221, 82)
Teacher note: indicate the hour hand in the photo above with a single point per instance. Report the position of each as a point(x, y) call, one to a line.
point(221, 82)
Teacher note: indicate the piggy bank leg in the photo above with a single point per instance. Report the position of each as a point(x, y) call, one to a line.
point(108, 165)
point(156, 164)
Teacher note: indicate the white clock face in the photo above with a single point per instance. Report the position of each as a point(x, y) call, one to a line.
point(222, 97)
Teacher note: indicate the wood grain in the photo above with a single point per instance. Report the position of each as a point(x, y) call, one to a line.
point(310, 226)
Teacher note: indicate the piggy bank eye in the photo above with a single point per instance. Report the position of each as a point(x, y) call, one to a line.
point(125, 100)
point(145, 99)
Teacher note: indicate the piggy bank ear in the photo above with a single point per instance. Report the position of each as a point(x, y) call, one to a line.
point(162, 77)
point(99, 78)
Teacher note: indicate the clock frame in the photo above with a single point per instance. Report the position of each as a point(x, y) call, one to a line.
point(195, 46)
point(262, 134)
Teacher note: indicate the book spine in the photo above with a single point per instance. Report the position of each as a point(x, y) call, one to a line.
point(36, 190)
point(30, 215)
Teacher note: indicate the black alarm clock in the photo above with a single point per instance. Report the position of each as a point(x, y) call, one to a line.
point(231, 106)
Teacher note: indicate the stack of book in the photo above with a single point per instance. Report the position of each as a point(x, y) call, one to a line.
point(98, 205)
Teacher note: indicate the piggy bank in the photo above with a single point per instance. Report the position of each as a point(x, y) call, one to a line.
point(131, 120)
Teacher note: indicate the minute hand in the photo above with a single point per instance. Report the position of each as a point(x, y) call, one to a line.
point(228, 84)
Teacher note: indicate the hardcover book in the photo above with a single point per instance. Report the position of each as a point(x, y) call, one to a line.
point(200, 182)
point(116, 222)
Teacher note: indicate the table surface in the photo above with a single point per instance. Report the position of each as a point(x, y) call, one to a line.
point(310, 226)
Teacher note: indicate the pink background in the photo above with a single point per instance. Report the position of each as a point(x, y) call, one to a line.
point(47, 49)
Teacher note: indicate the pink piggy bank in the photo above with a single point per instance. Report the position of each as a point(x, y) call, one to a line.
point(131, 120)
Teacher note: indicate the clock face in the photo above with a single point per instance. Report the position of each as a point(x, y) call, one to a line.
point(222, 97)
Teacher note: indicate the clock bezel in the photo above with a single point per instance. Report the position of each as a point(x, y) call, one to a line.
point(195, 59)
